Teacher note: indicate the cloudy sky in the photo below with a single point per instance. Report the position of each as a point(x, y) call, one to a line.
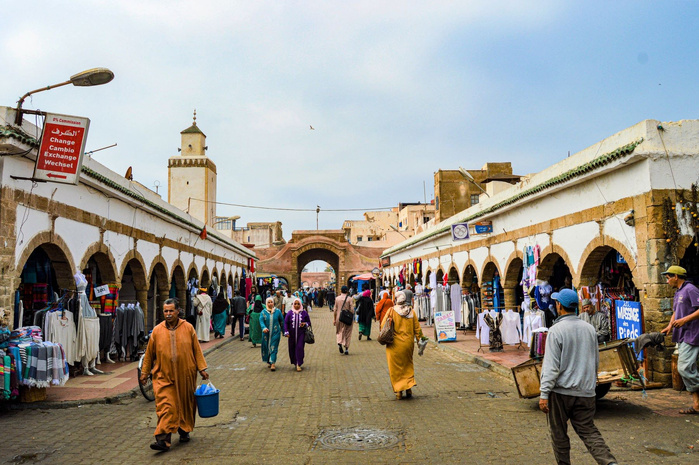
point(395, 90)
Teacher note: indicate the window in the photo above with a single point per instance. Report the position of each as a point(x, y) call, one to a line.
point(369, 238)
point(425, 219)
point(359, 238)
point(475, 198)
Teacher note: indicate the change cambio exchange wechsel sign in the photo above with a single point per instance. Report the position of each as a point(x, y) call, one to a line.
point(62, 147)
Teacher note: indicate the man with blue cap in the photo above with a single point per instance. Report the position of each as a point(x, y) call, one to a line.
point(568, 381)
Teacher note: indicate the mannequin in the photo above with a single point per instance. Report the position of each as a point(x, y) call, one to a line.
point(88, 329)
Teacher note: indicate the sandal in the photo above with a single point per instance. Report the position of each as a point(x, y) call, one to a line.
point(399, 395)
point(689, 411)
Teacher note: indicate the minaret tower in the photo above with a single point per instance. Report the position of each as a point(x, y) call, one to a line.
point(192, 176)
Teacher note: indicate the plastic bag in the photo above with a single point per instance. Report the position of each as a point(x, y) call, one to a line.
point(421, 346)
point(205, 389)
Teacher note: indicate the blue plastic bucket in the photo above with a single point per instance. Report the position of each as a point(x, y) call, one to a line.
point(207, 405)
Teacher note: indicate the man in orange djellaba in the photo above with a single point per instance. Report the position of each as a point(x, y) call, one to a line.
point(173, 358)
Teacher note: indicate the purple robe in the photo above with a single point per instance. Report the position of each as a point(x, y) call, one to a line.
point(297, 334)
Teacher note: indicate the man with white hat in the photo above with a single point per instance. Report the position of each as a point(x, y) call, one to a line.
point(568, 381)
point(684, 326)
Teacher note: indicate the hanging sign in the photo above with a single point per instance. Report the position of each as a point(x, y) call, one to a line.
point(459, 231)
point(620, 258)
point(445, 326)
point(101, 290)
point(483, 227)
point(628, 320)
point(61, 150)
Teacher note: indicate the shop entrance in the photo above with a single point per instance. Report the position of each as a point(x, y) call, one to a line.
point(513, 289)
point(492, 295)
point(46, 271)
point(158, 292)
point(99, 272)
point(690, 262)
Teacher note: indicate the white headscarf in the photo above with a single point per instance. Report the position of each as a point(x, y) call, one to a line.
point(296, 299)
point(269, 299)
point(400, 307)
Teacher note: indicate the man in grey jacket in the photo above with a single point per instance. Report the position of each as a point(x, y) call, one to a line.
point(568, 380)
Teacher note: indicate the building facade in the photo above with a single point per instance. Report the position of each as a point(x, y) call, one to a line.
point(106, 227)
point(610, 218)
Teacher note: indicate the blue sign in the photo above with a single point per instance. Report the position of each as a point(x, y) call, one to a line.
point(484, 227)
point(628, 320)
point(620, 258)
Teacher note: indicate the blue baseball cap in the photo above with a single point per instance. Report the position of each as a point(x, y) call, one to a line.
point(567, 297)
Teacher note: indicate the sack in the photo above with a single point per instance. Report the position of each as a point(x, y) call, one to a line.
point(310, 337)
point(386, 334)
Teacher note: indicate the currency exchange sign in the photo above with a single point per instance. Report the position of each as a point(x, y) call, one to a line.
point(62, 147)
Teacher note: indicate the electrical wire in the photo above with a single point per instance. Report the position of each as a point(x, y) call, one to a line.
point(296, 209)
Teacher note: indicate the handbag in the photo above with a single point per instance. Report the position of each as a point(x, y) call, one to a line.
point(346, 316)
point(309, 338)
point(386, 334)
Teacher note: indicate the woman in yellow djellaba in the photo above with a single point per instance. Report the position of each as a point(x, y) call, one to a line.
point(399, 354)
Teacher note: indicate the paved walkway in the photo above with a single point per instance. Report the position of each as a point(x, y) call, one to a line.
point(461, 413)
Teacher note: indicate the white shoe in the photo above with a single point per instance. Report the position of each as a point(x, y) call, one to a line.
point(109, 360)
point(87, 372)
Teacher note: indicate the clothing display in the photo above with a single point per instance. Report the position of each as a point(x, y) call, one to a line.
point(128, 330)
point(538, 343)
point(455, 300)
point(532, 321)
point(511, 327)
point(494, 323)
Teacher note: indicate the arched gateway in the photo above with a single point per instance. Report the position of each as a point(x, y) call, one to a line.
point(331, 246)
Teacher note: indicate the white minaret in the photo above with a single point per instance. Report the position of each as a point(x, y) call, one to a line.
point(192, 177)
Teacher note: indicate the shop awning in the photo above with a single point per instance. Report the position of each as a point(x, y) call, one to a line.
point(363, 277)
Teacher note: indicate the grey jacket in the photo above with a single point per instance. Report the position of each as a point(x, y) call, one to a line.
point(571, 359)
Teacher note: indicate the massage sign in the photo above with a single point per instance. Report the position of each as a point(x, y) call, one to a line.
point(62, 147)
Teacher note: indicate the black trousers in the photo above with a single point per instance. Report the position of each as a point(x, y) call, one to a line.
point(240, 320)
point(581, 412)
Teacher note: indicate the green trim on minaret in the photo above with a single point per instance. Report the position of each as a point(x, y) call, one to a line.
point(193, 129)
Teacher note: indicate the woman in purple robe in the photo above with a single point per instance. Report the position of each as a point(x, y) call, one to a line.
point(295, 324)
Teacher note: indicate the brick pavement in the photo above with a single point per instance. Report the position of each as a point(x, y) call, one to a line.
point(461, 413)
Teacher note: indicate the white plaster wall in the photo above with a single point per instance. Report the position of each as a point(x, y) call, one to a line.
point(460, 259)
point(77, 236)
point(148, 251)
point(29, 223)
point(434, 264)
point(480, 258)
point(169, 255)
point(501, 252)
point(119, 245)
point(199, 262)
point(615, 228)
point(574, 239)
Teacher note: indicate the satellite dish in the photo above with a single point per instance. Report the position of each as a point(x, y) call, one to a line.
point(129, 174)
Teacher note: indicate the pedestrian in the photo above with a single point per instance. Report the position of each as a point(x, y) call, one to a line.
point(684, 325)
point(220, 311)
point(383, 306)
point(173, 358)
point(239, 307)
point(295, 323)
point(202, 305)
point(408, 294)
point(286, 303)
point(254, 312)
point(330, 297)
point(365, 313)
point(568, 381)
point(272, 324)
point(598, 320)
point(399, 354)
point(343, 331)
point(279, 301)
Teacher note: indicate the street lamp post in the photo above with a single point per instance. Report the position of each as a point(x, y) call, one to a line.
point(470, 179)
point(397, 230)
point(90, 77)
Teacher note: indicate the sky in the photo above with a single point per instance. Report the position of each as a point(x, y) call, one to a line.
point(394, 90)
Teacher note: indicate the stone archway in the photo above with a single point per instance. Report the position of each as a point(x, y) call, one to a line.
point(454, 276)
point(103, 258)
point(514, 295)
point(313, 254)
point(158, 292)
point(179, 285)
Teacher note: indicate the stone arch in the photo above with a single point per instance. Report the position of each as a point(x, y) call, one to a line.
point(105, 262)
point(454, 277)
point(489, 271)
point(205, 279)
point(133, 255)
point(215, 274)
point(440, 275)
point(158, 292)
point(511, 282)
point(192, 271)
point(548, 259)
point(159, 260)
point(326, 252)
point(594, 254)
point(177, 279)
point(133, 284)
point(59, 254)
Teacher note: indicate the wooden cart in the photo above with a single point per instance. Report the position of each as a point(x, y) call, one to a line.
point(616, 361)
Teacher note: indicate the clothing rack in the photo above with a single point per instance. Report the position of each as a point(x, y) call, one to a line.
point(518, 346)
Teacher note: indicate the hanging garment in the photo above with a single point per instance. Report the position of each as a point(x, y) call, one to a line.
point(455, 296)
point(511, 328)
point(494, 324)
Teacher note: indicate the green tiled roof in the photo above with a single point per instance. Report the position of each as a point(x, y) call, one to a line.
point(9, 131)
point(598, 162)
point(193, 129)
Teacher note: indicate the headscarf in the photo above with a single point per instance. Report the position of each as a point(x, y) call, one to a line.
point(269, 299)
point(400, 307)
point(366, 293)
point(257, 307)
point(296, 299)
point(220, 304)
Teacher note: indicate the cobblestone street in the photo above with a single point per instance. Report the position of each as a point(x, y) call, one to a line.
point(461, 413)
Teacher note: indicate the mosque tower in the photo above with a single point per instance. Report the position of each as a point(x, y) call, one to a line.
point(191, 183)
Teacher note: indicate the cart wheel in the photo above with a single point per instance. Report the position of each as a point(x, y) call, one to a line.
point(601, 390)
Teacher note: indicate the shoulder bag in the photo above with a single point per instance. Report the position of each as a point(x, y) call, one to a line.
point(309, 338)
point(346, 316)
point(386, 334)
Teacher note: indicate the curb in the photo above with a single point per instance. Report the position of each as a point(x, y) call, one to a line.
point(115, 399)
point(480, 361)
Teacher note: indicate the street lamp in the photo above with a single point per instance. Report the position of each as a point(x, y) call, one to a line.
point(470, 179)
point(90, 77)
